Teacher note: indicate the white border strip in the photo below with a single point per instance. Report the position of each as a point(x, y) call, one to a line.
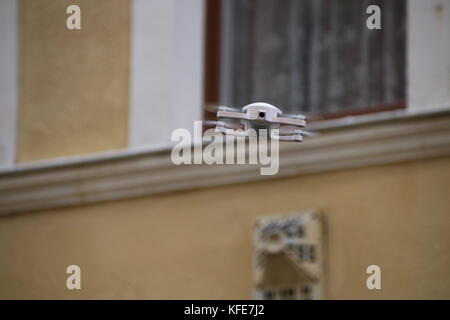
point(9, 70)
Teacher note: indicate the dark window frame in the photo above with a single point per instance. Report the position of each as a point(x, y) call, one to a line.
point(212, 72)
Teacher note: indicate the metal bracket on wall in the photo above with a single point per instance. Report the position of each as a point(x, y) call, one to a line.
point(289, 257)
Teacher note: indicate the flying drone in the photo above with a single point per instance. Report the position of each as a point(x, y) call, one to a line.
point(260, 115)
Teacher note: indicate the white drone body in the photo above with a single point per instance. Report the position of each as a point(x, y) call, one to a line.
point(257, 116)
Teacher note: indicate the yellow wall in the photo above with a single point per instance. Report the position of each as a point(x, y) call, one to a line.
point(198, 244)
point(73, 83)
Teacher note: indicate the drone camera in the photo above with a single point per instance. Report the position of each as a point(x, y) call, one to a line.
point(261, 115)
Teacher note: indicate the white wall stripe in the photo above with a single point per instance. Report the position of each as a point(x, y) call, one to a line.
point(428, 50)
point(8, 80)
point(166, 69)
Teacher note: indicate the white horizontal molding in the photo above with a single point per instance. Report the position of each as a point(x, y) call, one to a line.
point(131, 174)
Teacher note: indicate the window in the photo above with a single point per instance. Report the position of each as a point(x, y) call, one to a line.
point(311, 56)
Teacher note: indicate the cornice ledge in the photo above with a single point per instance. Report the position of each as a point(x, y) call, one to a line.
point(121, 175)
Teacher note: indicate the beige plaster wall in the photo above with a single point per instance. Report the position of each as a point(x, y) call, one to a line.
point(197, 244)
point(73, 83)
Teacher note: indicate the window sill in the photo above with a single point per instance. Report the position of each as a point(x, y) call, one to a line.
point(349, 142)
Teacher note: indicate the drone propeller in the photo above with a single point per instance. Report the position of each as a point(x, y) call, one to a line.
point(229, 124)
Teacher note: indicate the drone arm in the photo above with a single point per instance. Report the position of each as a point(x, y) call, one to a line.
point(294, 136)
point(229, 114)
point(290, 121)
